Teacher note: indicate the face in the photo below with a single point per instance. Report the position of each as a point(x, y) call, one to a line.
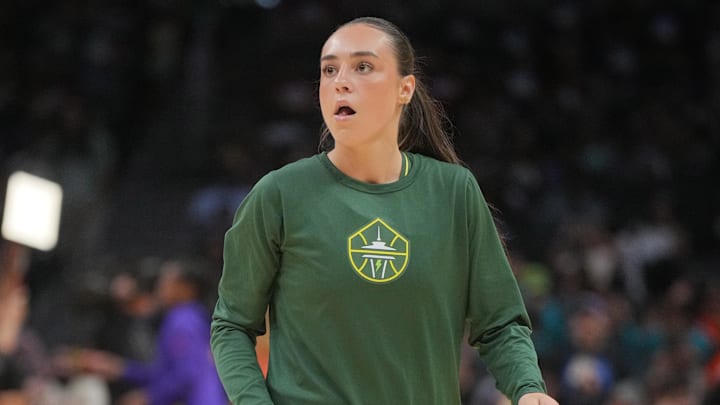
point(171, 289)
point(166, 287)
point(361, 91)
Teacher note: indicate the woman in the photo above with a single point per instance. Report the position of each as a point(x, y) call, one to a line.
point(371, 256)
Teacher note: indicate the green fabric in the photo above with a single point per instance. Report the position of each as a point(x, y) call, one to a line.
point(305, 242)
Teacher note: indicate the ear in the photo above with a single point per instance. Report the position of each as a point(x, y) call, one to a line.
point(407, 89)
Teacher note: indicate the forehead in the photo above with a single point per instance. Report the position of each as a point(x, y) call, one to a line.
point(357, 38)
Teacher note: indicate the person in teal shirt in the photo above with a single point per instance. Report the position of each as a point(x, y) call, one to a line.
point(373, 256)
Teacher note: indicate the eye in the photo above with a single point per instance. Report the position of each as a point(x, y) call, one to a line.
point(364, 67)
point(329, 70)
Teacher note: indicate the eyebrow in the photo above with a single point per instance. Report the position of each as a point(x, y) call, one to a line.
point(354, 55)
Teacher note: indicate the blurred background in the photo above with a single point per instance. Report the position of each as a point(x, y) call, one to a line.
point(593, 127)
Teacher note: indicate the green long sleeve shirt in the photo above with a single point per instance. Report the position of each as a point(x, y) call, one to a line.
point(369, 287)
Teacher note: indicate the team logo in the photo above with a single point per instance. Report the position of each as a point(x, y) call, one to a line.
point(378, 253)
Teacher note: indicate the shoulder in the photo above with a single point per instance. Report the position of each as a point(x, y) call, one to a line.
point(451, 178)
point(451, 173)
point(298, 172)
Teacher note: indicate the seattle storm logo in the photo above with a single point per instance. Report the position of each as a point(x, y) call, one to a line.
point(378, 253)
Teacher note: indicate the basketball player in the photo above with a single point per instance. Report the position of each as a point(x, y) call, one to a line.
point(372, 255)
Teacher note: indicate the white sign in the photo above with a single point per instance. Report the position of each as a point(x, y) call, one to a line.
point(32, 211)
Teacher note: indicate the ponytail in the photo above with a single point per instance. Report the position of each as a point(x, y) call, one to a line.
point(423, 127)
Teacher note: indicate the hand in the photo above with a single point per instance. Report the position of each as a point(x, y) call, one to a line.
point(104, 364)
point(537, 398)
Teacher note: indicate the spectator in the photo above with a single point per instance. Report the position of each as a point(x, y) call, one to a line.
point(182, 368)
point(129, 321)
point(588, 375)
point(13, 309)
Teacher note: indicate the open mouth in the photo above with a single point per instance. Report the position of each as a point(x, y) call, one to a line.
point(344, 111)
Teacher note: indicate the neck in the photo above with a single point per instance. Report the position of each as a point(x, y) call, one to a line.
point(375, 165)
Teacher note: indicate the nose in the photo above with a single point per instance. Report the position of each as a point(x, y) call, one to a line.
point(342, 84)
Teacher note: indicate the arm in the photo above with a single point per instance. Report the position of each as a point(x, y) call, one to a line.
point(13, 311)
point(498, 322)
point(182, 346)
point(251, 261)
point(175, 369)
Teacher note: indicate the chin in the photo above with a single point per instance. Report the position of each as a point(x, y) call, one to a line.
point(348, 139)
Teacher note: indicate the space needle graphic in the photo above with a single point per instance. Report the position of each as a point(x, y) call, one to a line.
point(378, 262)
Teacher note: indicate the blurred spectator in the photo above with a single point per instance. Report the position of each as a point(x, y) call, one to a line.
point(25, 376)
point(649, 252)
point(182, 369)
point(626, 393)
point(674, 375)
point(13, 309)
point(128, 329)
point(709, 325)
point(212, 206)
point(588, 375)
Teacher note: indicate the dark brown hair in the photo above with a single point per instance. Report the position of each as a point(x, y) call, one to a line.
point(423, 122)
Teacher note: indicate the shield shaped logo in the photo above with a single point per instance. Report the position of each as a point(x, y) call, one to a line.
point(378, 253)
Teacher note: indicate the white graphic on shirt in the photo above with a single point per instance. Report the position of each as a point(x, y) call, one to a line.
point(380, 261)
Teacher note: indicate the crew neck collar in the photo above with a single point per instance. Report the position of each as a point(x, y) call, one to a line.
point(409, 162)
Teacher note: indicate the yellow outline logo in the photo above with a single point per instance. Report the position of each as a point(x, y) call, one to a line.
point(378, 253)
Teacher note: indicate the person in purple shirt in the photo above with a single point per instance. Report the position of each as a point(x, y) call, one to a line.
point(182, 370)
